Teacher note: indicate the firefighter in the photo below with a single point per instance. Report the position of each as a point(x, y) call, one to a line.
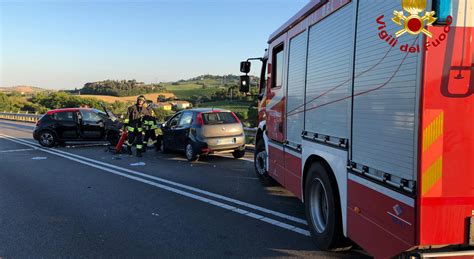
point(134, 125)
point(150, 127)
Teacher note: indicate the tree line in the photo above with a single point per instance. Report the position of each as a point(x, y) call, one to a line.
point(119, 88)
point(42, 102)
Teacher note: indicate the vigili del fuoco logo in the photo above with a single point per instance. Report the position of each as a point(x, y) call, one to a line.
point(412, 23)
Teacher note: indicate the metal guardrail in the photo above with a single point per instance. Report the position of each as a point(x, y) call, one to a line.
point(34, 117)
point(250, 132)
point(18, 116)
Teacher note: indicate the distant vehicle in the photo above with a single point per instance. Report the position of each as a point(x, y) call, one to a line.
point(204, 131)
point(77, 124)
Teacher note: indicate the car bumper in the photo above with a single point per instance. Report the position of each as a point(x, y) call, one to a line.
point(35, 135)
point(210, 145)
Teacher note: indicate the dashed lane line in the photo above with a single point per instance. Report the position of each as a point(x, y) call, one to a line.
point(17, 150)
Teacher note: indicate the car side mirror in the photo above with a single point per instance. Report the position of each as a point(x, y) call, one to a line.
point(244, 84)
point(245, 67)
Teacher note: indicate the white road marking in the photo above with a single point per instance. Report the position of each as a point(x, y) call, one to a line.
point(230, 156)
point(70, 156)
point(17, 150)
point(214, 195)
point(39, 158)
point(241, 177)
point(138, 164)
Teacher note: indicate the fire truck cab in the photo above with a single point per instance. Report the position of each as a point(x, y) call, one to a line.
point(366, 114)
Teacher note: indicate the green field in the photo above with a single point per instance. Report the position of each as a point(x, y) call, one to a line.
point(236, 106)
point(185, 91)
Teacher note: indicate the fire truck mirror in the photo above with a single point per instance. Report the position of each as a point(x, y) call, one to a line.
point(244, 84)
point(245, 67)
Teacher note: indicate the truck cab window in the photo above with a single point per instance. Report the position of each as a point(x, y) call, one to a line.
point(277, 66)
point(443, 9)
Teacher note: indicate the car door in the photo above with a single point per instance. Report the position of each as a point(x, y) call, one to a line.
point(66, 125)
point(168, 131)
point(91, 125)
point(181, 132)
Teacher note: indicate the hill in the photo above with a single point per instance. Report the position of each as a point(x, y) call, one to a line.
point(22, 89)
point(204, 85)
point(119, 88)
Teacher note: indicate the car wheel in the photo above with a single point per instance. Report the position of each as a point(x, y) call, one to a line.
point(190, 152)
point(260, 163)
point(323, 209)
point(47, 138)
point(239, 153)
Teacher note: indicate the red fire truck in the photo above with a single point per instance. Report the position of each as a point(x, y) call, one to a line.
point(366, 114)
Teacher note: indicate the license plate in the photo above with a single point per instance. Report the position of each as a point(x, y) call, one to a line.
point(226, 141)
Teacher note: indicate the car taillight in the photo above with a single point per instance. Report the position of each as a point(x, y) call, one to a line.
point(199, 119)
point(236, 118)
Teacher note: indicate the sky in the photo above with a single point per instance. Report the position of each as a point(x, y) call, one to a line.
point(63, 44)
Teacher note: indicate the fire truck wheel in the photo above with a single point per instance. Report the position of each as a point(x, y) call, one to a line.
point(260, 161)
point(322, 208)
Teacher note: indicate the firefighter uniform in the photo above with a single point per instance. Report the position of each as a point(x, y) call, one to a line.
point(149, 130)
point(134, 125)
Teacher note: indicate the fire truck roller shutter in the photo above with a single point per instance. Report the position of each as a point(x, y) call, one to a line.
point(386, 83)
point(329, 73)
point(296, 87)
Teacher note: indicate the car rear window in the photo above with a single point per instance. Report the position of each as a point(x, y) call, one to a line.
point(218, 118)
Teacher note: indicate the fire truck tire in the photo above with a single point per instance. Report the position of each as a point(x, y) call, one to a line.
point(260, 157)
point(323, 209)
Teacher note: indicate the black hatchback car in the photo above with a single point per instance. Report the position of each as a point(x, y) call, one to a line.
point(77, 124)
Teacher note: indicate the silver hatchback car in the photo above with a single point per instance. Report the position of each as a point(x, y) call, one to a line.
point(204, 131)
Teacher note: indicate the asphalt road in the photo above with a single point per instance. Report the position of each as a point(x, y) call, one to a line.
point(83, 201)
